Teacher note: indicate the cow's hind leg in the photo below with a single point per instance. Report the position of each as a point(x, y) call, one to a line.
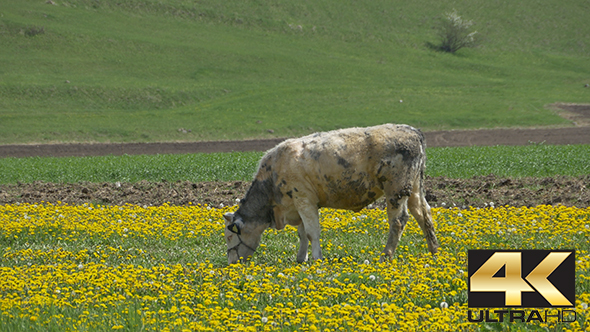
point(303, 243)
point(421, 211)
point(397, 215)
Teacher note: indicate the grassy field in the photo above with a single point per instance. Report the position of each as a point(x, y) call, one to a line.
point(140, 70)
point(509, 161)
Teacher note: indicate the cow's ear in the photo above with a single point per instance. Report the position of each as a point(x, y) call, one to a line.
point(229, 217)
point(234, 228)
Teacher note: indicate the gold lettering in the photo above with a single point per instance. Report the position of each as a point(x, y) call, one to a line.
point(538, 278)
point(511, 284)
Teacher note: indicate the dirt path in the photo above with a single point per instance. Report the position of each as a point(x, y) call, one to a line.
point(560, 136)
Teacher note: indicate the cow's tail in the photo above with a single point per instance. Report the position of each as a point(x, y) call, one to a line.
point(422, 167)
point(419, 164)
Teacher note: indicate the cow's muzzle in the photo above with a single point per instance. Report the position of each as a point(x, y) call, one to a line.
point(237, 246)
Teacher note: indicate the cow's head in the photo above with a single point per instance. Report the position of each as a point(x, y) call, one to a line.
point(242, 237)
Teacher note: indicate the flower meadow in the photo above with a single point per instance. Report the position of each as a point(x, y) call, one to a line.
point(164, 268)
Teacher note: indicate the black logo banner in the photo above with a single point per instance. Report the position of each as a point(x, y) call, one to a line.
point(521, 278)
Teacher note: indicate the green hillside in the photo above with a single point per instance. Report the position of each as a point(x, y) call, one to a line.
point(148, 70)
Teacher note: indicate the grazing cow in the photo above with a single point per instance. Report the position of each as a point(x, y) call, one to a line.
point(342, 169)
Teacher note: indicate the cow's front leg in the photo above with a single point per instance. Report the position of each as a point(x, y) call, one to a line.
point(311, 221)
point(303, 244)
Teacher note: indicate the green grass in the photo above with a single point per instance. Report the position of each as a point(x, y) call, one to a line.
point(510, 161)
point(192, 167)
point(139, 70)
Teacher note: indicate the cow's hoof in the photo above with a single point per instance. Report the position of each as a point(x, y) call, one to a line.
point(433, 249)
point(384, 258)
point(302, 259)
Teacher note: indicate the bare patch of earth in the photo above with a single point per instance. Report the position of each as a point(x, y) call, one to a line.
point(479, 191)
point(578, 114)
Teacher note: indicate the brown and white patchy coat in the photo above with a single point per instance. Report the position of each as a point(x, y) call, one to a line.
point(343, 169)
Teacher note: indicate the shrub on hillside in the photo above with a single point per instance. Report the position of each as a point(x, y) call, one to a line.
point(454, 33)
point(32, 31)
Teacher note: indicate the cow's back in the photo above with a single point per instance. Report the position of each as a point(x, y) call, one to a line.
point(346, 168)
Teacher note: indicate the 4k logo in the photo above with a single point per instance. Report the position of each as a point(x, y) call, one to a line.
point(523, 278)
